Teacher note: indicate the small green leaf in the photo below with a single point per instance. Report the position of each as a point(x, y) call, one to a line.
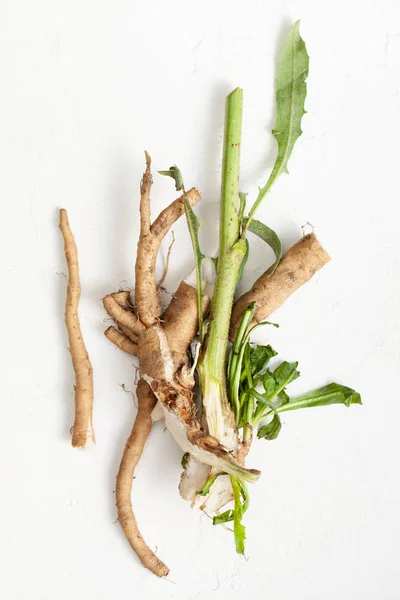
point(242, 205)
point(259, 358)
point(238, 528)
point(176, 175)
point(269, 383)
point(270, 237)
point(271, 430)
point(285, 373)
point(194, 225)
point(333, 393)
point(244, 261)
point(224, 517)
point(283, 397)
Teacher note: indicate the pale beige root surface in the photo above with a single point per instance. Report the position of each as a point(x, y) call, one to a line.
point(296, 267)
point(193, 479)
point(121, 315)
point(121, 341)
point(180, 322)
point(174, 390)
point(134, 326)
point(147, 300)
point(132, 453)
point(83, 428)
point(166, 267)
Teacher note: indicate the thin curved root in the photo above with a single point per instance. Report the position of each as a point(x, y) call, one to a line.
point(132, 453)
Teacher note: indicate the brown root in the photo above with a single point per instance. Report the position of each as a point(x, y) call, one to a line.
point(123, 298)
point(82, 428)
point(180, 322)
point(132, 453)
point(121, 341)
point(297, 266)
point(147, 299)
point(151, 343)
point(122, 315)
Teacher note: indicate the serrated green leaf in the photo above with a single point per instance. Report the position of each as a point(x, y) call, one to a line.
point(176, 175)
point(291, 92)
point(271, 430)
point(269, 236)
point(333, 393)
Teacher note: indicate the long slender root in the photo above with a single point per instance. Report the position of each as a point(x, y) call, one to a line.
point(82, 429)
point(297, 266)
point(132, 453)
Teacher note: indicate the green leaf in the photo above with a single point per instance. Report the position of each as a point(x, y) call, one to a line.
point(283, 397)
point(259, 358)
point(238, 528)
point(194, 225)
point(244, 261)
point(291, 92)
point(274, 386)
point(242, 205)
point(333, 393)
point(270, 237)
point(285, 374)
point(176, 175)
point(269, 384)
point(224, 517)
point(271, 430)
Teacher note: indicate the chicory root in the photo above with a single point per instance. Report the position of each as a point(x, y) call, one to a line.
point(269, 292)
point(82, 428)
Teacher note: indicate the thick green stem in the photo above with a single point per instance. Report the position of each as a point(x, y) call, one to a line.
point(231, 252)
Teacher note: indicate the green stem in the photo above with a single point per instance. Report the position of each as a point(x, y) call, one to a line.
point(247, 428)
point(231, 252)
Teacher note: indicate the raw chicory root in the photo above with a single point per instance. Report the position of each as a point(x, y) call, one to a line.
point(132, 453)
point(83, 428)
point(140, 333)
point(269, 292)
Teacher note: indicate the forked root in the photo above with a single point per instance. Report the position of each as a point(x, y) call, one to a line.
point(132, 453)
point(82, 429)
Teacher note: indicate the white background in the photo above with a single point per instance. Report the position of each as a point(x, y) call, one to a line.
point(85, 87)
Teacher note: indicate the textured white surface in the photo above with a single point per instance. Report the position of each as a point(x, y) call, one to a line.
point(86, 86)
